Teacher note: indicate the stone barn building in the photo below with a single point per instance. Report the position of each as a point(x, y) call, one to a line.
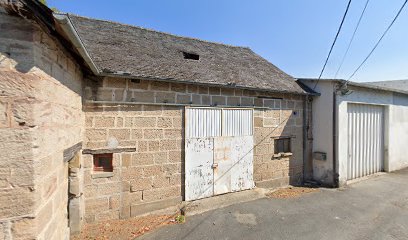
point(102, 120)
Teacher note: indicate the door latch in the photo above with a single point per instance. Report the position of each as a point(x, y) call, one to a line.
point(215, 165)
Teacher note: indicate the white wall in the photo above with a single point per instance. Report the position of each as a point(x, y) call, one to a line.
point(398, 133)
point(323, 131)
point(396, 128)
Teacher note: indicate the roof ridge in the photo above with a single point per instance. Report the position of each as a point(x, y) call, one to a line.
point(156, 31)
point(324, 79)
point(384, 81)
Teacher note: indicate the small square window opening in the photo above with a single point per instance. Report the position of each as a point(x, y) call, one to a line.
point(191, 56)
point(282, 145)
point(103, 162)
point(135, 81)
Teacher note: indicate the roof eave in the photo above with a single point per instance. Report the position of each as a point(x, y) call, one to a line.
point(66, 24)
point(150, 78)
point(374, 87)
point(356, 84)
point(307, 89)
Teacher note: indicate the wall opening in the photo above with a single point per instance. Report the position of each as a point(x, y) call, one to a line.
point(191, 56)
point(103, 162)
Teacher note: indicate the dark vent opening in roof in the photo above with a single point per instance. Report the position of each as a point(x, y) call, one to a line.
point(191, 56)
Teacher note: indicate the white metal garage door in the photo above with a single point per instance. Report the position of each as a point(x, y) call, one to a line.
point(365, 140)
point(218, 151)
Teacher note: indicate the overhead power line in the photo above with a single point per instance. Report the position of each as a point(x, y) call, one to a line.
point(352, 38)
point(334, 42)
point(378, 42)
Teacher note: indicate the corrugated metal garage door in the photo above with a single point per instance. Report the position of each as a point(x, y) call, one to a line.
point(219, 151)
point(365, 140)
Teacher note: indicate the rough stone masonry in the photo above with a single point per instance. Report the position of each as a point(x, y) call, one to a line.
point(40, 116)
point(151, 176)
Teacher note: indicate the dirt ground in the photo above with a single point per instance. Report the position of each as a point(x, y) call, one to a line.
point(291, 192)
point(134, 227)
point(124, 229)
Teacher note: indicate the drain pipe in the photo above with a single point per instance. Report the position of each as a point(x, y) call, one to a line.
point(335, 174)
point(305, 126)
point(307, 164)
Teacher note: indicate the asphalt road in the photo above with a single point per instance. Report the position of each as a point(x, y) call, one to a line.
point(376, 208)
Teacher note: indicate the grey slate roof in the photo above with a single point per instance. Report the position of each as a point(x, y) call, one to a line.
point(394, 84)
point(138, 52)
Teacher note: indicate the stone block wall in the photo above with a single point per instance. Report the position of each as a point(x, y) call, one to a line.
point(271, 170)
point(124, 117)
point(41, 116)
point(150, 173)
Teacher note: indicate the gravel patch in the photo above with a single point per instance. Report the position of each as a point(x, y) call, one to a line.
point(291, 192)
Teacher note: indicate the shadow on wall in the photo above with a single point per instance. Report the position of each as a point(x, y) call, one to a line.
point(291, 166)
point(278, 154)
point(400, 99)
point(41, 86)
point(26, 48)
point(17, 41)
point(36, 73)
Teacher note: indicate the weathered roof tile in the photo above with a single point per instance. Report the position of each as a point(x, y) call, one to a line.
point(140, 52)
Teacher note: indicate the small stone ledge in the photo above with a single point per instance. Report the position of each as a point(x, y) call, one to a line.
point(282, 156)
point(288, 154)
point(101, 175)
point(102, 151)
point(70, 152)
point(283, 136)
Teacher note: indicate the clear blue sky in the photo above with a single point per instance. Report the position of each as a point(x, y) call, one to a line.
point(295, 35)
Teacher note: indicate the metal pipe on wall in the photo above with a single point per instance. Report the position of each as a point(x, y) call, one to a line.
point(335, 174)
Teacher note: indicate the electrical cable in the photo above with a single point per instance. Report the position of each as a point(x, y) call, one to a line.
point(378, 42)
point(352, 38)
point(334, 42)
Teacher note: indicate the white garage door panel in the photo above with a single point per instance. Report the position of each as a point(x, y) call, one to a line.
point(223, 156)
point(365, 140)
point(233, 157)
point(243, 163)
point(199, 171)
point(203, 122)
point(237, 122)
point(219, 156)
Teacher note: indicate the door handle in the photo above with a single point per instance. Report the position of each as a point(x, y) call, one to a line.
point(215, 165)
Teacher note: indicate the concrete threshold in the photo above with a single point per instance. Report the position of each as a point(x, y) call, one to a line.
point(215, 202)
point(350, 182)
point(207, 204)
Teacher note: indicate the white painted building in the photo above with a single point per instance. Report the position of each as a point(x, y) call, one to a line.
point(358, 130)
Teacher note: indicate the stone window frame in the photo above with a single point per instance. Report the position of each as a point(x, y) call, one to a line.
point(279, 154)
